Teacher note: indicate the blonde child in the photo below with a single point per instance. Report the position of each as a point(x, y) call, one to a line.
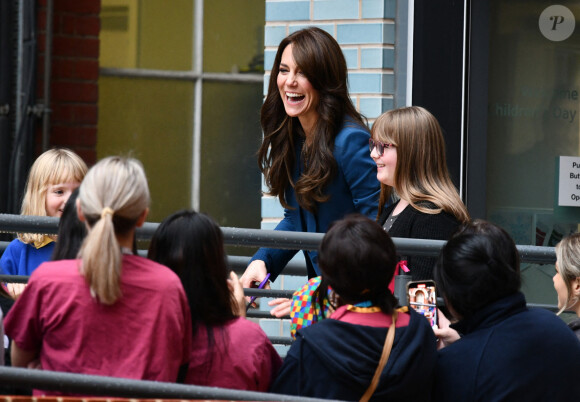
point(567, 278)
point(53, 177)
point(110, 312)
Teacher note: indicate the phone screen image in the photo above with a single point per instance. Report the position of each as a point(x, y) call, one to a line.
point(423, 299)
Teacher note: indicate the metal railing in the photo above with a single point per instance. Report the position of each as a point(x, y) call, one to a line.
point(99, 385)
point(264, 238)
point(270, 238)
point(85, 384)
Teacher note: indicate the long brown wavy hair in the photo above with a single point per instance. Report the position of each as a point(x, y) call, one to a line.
point(421, 171)
point(322, 62)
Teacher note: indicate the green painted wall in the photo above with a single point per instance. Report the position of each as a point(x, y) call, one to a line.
point(153, 119)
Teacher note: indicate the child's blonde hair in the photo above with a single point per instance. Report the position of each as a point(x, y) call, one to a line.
point(58, 165)
point(112, 197)
point(568, 258)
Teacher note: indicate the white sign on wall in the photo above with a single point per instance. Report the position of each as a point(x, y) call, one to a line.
point(569, 182)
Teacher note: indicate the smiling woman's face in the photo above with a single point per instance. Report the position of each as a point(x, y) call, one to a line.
point(386, 164)
point(299, 97)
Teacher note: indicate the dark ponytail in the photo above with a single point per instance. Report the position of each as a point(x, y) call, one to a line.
point(358, 259)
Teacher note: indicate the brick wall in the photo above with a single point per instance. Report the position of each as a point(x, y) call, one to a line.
point(75, 72)
point(365, 30)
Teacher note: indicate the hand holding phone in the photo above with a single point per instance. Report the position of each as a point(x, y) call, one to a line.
point(422, 297)
point(445, 334)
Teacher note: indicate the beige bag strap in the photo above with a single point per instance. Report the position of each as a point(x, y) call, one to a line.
point(383, 361)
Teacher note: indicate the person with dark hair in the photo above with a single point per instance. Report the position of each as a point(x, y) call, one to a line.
point(340, 356)
point(408, 148)
point(71, 231)
point(506, 351)
point(313, 156)
point(228, 350)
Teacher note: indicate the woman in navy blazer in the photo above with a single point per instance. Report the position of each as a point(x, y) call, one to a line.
point(314, 156)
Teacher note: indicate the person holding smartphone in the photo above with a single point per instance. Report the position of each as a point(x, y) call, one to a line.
point(408, 148)
point(506, 351)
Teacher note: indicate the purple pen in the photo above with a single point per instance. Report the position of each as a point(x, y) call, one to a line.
point(260, 286)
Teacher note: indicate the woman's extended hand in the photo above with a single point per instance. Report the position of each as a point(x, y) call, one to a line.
point(254, 274)
point(237, 292)
point(445, 334)
point(282, 308)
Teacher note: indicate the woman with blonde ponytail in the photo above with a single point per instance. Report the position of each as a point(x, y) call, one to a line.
point(109, 312)
point(567, 278)
point(408, 147)
point(121, 205)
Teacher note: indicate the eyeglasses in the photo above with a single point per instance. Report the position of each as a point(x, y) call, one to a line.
point(380, 146)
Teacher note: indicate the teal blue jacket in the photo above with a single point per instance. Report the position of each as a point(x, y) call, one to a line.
point(355, 188)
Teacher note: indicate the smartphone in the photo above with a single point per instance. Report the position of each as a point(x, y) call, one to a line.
point(422, 297)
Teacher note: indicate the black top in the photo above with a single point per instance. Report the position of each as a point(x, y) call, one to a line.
point(413, 224)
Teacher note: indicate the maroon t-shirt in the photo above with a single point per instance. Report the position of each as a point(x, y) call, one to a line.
point(242, 357)
point(145, 334)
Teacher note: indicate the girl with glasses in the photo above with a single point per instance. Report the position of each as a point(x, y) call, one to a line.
point(408, 148)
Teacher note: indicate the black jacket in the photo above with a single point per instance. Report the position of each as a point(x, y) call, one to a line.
point(510, 353)
point(413, 224)
point(334, 359)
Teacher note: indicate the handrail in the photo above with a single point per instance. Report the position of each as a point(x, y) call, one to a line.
point(247, 291)
point(264, 238)
point(122, 387)
point(237, 263)
point(271, 238)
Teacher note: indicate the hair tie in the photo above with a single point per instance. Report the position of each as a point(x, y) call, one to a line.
point(107, 211)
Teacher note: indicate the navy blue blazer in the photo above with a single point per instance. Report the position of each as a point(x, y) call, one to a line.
point(355, 188)
point(337, 360)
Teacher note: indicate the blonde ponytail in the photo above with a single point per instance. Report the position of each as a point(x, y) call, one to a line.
point(112, 197)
